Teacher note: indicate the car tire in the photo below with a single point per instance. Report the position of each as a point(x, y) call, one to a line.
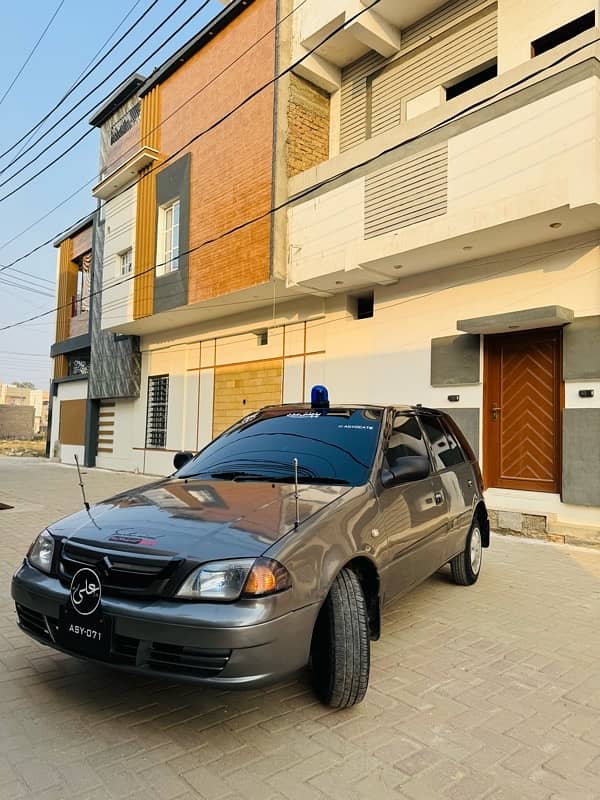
point(341, 652)
point(466, 566)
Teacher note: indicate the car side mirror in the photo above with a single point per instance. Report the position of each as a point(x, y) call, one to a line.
point(182, 458)
point(406, 470)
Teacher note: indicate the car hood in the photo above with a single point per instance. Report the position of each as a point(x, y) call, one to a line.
point(198, 519)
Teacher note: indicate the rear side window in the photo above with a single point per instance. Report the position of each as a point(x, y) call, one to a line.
point(406, 439)
point(451, 426)
point(444, 448)
point(454, 454)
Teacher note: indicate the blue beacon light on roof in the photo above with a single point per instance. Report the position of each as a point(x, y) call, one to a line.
point(319, 397)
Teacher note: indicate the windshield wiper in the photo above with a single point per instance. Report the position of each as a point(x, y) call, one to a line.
point(235, 474)
point(307, 481)
point(239, 475)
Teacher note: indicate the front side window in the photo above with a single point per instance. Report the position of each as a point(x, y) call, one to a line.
point(156, 416)
point(406, 440)
point(335, 446)
point(125, 262)
point(167, 250)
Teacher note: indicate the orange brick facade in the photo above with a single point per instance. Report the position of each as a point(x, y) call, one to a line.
point(232, 166)
point(308, 126)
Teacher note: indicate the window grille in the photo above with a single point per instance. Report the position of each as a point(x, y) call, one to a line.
point(156, 416)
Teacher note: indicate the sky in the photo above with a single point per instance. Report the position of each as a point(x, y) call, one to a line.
point(76, 35)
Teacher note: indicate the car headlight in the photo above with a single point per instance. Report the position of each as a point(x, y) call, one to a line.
point(41, 552)
point(229, 580)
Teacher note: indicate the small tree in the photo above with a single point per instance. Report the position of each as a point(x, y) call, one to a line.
point(25, 385)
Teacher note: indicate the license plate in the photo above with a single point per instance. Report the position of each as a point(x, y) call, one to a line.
point(87, 635)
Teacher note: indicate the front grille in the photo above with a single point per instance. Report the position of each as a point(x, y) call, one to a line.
point(121, 573)
point(124, 649)
point(187, 660)
point(34, 622)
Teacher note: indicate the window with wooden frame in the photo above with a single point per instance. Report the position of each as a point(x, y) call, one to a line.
point(167, 246)
point(156, 412)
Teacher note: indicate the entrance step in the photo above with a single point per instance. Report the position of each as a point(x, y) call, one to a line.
point(544, 527)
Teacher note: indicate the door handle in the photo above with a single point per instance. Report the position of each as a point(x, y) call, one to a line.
point(439, 498)
point(495, 411)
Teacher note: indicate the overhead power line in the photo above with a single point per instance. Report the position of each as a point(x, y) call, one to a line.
point(310, 190)
point(29, 135)
point(26, 288)
point(202, 133)
point(82, 77)
point(441, 125)
point(159, 125)
point(90, 130)
point(31, 52)
point(33, 355)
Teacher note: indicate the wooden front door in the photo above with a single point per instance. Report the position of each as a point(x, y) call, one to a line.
point(522, 400)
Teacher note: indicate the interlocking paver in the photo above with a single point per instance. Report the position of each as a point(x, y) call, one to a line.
point(490, 693)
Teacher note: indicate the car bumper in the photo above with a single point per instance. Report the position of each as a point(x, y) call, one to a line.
point(214, 644)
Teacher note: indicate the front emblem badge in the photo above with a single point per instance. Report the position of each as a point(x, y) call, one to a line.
point(85, 591)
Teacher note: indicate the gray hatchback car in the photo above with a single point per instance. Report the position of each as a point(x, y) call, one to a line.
point(276, 546)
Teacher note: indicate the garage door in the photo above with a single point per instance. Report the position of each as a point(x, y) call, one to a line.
point(242, 389)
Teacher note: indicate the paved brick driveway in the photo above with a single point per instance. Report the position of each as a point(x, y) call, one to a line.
point(488, 692)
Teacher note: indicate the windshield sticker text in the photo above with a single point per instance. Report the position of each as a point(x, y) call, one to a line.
point(357, 427)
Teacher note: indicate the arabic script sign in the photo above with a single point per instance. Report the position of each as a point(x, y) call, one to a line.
point(85, 591)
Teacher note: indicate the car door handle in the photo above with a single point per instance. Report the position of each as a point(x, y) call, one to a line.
point(439, 498)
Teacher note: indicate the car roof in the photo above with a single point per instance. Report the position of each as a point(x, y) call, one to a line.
point(406, 409)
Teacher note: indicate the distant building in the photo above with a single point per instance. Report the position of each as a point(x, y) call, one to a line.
point(16, 421)
point(11, 395)
point(22, 397)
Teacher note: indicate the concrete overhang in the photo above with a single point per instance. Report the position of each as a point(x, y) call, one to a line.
point(121, 94)
point(389, 259)
point(350, 34)
point(527, 319)
point(321, 72)
point(127, 172)
point(404, 14)
point(71, 345)
point(256, 297)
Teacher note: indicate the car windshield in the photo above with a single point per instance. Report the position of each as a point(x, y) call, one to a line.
point(331, 445)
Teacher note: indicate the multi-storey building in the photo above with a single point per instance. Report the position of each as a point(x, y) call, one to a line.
point(454, 230)
point(400, 200)
point(208, 297)
point(95, 368)
point(68, 410)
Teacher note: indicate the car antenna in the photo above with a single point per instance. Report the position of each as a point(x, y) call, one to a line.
point(85, 502)
point(296, 491)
